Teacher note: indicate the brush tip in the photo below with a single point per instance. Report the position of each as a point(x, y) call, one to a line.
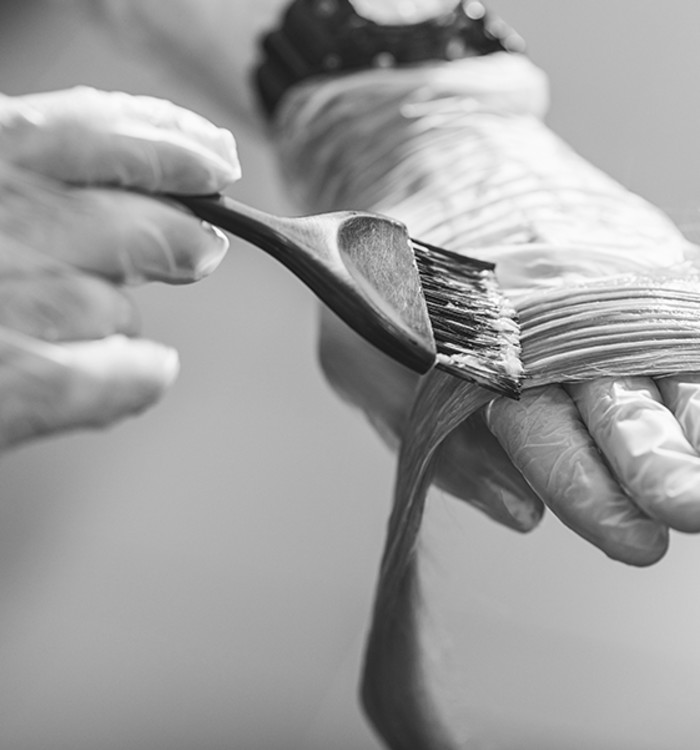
point(474, 323)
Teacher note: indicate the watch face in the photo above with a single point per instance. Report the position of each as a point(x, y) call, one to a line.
point(400, 12)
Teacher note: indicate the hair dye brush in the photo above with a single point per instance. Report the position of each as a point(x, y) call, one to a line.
point(421, 305)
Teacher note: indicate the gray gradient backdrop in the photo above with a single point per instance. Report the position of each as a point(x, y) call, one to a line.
point(202, 577)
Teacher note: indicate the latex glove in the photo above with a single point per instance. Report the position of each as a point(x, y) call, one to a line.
point(70, 235)
point(618, 460)
point(615, 459)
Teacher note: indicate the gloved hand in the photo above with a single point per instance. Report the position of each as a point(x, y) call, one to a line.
point(617, 459)
point(75, 225)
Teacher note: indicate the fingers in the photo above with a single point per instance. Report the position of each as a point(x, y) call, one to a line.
point(65, 307)
point(122, 236)
point(681, 394)
point(49, 232)
point(46, 388)
point(546, 440)
point(646, 445)
point(87, 136)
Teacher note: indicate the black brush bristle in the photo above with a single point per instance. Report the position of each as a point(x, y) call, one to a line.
point(475, 325)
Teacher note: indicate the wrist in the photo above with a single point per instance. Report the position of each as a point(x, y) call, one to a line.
point(325, 38)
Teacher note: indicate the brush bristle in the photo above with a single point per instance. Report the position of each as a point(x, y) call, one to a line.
point(475, 325)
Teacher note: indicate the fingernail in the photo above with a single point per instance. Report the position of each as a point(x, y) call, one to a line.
point(160, 364)
point(525, 514)
point(170, 364)
point(216, 247)
point(644, 543)
point(221, 175)
point(229, 151)
point(223, 158)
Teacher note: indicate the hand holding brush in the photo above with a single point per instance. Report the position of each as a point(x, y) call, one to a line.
point(74, 231)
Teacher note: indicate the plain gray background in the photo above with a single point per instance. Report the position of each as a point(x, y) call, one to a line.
point(201, 577)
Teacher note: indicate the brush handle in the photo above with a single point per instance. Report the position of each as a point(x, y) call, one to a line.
point(305, 245)
point(360, 265)
point(273, 234)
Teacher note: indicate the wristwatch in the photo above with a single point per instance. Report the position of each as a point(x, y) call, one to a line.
point(325, 37)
